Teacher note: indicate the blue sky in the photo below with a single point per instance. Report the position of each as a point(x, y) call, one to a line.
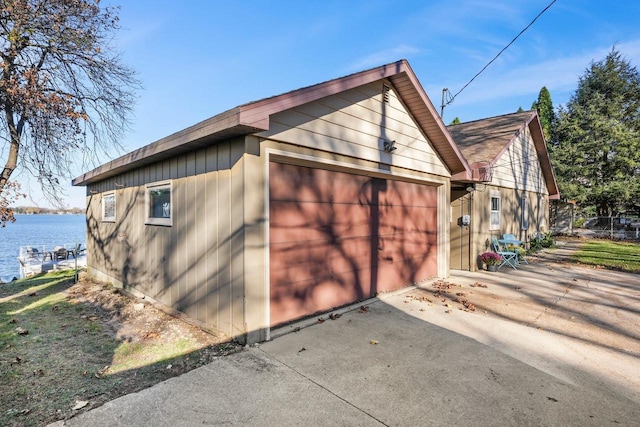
point(198, 58)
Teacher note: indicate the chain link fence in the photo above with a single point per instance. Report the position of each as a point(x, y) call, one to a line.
point(614, 228)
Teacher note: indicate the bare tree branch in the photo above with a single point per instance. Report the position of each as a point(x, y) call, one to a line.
point(64, 93)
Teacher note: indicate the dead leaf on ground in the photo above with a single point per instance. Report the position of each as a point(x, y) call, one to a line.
point(33, 294)
point(38, 372)
point(301, 350)
point(150, 335)
point(419, 298)
point(80, 404)
point(320, 320)
point(334, 316)
point(14, 320)
point(373, 342)
point(101, 372)
point(478, 285)
point(21, 331)
point(364, 309)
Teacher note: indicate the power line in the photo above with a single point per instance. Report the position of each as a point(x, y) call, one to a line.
point(450, 98)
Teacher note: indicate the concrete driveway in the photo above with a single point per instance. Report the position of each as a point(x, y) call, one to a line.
point(551, 344)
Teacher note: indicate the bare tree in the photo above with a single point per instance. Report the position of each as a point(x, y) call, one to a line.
point(64, 94)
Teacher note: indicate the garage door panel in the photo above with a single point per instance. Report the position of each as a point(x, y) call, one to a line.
point(337, 237)
point(322, 220)
point(304, 260)
point(309, 297)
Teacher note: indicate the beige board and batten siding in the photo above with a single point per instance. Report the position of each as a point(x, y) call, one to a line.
point(519, 167)
point(510, 218)
point(196, 265)
point(355, 123)
point(516, 174)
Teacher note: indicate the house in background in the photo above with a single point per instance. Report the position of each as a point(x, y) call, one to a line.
point(509, 188)
point(284, 207)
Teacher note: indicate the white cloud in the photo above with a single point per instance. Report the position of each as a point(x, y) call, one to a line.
point(559, 75)
point(383, 57)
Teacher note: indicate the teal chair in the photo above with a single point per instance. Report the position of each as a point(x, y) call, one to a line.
point(517, 246)
point(509, 258)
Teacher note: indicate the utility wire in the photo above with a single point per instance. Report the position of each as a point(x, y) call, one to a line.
point(451, 98)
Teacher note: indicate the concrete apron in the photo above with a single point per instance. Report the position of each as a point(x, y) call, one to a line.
point(548, 344)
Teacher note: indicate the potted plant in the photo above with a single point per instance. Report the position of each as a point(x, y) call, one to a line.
point(491, 260)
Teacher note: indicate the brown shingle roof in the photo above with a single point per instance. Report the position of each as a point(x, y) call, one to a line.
point(483, 141)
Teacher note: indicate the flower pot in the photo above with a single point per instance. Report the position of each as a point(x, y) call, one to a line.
point(492, 267)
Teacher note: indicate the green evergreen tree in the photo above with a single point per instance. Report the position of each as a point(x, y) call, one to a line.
point(455, 121)
point(596, 149)
point(546, 112)
point(520, 110)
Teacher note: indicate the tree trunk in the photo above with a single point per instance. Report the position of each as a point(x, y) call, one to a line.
point(14, 146)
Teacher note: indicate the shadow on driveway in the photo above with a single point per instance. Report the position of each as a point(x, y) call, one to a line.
point(547, 345)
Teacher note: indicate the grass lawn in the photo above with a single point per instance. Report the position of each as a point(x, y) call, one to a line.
point(608, 254)
point(66, 348)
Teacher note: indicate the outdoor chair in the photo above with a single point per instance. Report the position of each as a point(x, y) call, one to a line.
point(515, 247)
point(75, 251)
point(60, 253)
point(32, 253)
point(508, 257)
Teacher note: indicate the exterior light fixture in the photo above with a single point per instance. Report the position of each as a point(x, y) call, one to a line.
point(389, 146)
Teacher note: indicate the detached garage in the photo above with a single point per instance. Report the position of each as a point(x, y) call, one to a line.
point(281, 208)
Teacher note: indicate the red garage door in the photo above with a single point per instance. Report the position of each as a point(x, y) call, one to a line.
point(337, 238)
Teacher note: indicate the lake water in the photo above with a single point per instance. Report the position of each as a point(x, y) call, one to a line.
point(37, 231)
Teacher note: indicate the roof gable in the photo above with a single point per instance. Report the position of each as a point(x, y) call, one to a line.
point(254, 117)
point(483, 141)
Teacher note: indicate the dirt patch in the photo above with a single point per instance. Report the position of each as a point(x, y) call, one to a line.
point(68, 348)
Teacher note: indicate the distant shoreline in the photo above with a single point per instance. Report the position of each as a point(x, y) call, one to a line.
point(46, 211)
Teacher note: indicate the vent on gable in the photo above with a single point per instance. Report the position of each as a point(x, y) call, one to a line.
point(483, 173)
point(385, 93)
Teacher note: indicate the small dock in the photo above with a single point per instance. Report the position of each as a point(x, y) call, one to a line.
point(37, 259)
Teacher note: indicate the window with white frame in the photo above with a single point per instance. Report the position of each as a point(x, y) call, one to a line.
point(109, 207)
point(495, 211)
point(158, 202)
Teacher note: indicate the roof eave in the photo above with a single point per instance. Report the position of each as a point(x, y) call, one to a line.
point(222, 126)
point(543, 156)
point(254, 117)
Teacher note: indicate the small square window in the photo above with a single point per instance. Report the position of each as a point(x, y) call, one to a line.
point(109, 207)
point(158, 202)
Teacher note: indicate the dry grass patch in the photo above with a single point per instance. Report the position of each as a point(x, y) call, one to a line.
point(67, 346)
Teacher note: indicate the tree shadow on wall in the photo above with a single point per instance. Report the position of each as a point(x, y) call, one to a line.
point(342, 238)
